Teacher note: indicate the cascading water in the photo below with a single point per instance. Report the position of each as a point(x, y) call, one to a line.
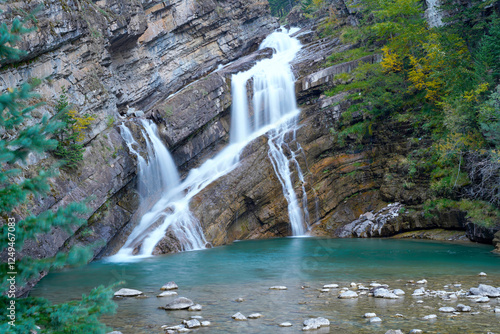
point(274, 111)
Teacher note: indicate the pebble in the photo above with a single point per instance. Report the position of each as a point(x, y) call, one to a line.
point(420, 301)
point(330, 286)
point(398, 315)
point(422, 281)
point(255, 316)
point(239, 300)
point(169, 286)
point(325, 290)
point(238, 316)
point(348, 295)
point(375, 285)
point(196, 307)
point(394, 331)
point(182, 330)
point(497, 310)
point(482, 300)
point(419, 292)
point(375, 320)
point(482, 274)
point(354, 285)
point(193, 323)
point(278, 287)
point(285, 324)
point(172, 328)
point(205, 323)
point(167, 294)
point(398, 292)
point(463, 308)
point(178, 304)
point(196, 317)
point(315, 323)
point(430, 317)
point(447, 309)
point(416, 331)
point(370, 315)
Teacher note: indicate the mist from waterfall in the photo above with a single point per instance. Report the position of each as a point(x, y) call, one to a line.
point(272, 110)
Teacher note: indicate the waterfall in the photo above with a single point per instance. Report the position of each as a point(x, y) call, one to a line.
point(434, 16)
point(273, 110)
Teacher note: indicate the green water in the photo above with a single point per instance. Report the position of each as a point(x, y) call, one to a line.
point(216, 277)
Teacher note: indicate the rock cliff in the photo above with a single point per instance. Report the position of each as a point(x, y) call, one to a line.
point(118, 59)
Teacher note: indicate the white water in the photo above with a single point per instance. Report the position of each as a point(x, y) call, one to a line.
point(274, 110)
point(434, 16)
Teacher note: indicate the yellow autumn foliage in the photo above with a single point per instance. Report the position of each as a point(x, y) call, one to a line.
point(81, 123)
point(391, 62)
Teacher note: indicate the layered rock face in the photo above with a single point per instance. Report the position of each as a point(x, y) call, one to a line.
point(119, 58)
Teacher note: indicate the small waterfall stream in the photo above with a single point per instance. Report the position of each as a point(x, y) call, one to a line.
point(273, 110)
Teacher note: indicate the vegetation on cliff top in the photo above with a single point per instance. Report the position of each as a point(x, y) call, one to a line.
point(17, 142)
point(443, 80)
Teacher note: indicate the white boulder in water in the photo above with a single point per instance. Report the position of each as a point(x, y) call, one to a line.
point(169, 286)
point(180, 303)
point(238, 316)
point(127, 293)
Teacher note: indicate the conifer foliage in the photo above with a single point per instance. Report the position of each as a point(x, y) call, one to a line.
point(17, 141)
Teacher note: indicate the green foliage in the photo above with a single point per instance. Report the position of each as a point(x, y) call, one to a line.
point(346, 56)
point(479, 212)
point(16, 188)
point(489, 118)
point(280, 8)
point(69, 137)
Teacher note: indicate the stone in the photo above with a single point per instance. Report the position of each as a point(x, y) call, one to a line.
point(394, 331)
point(420, 301)
point(375, 285)
point(325, 290)
point(369, 315)
point(183, 330)
point(419, 292)
point(124, 292)
point(354, 285)
point(172, 328)
point(196, 307)
point(384, 293)
point(238, 316)
point(330, 286)
point(463, 308)
point(348, 295)
point(169, 286)
point(416, 331)
point(167, 294)
point(398, 292)
point(375, 320)
point(447, 309)
point(255, 316)
point(285, 324)
point(315, 323)
point(422, 281)
point(430, 317)
point(278, 287)
point(193, 323)
point(482, 274)
point(205, 323)
point(180, 303)
point(485, 290)
point(196, 317)
point(497, 310)
point(482, 300)
point(239, 300)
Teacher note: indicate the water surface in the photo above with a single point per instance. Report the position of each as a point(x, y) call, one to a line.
point(216, 277)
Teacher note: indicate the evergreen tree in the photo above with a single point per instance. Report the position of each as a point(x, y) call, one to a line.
point(17, 141)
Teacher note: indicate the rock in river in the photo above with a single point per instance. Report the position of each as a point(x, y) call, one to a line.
point(255, 316)
point(485, 290)
point(278, 287)
point(180, 303)
point(315, 323)
point(463, 308)
point(447, 309)
point(193, 323)
point(238, 316)
point(127, 293)
point(348, 295)
point(169, 286)
point(167, 294)
point(196, 307)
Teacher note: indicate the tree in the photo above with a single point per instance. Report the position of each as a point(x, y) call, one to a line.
point(17, 141)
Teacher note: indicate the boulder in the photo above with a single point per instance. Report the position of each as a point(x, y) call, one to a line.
point(196, 307)
point(180, 303)
point(239, 317)
point(485, 290)
point(348, 295)
point(315, 323)
point(447, 309)
point(167, 294)
point(124, 292)
point(193, 323)
point(255, 316)
point(463, 308)
point(169, 286)
point(375, 320)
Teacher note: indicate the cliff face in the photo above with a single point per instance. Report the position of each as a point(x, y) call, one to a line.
point(117, 59)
